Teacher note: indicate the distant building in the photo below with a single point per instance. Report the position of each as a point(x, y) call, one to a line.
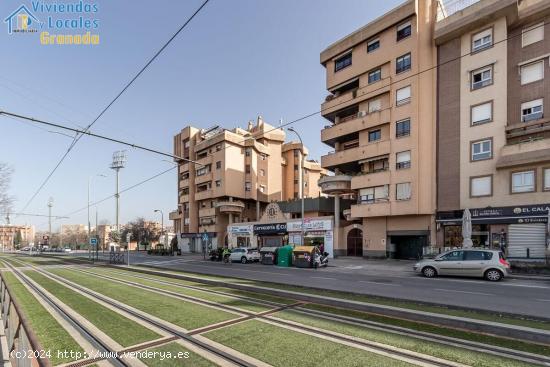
point(238, 172)
point(9, 233)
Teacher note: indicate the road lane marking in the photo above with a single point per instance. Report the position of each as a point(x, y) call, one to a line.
point(324, 278)
point(525, 286)
point(379, 283)
point(467, 292)
point(543, 300)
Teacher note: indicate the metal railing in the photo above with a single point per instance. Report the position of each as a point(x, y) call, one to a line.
point(446, 8)
point(19, 336)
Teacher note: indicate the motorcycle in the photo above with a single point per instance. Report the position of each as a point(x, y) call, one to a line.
point(320, 260)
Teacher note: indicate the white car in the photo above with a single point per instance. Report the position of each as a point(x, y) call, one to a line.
point(244, 255)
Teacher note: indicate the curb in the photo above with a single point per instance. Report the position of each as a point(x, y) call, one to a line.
point(489, 327)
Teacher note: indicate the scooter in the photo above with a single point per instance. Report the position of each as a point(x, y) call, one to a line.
point(320, 260)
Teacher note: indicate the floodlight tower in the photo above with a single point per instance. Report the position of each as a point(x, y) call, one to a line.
point(119, 160)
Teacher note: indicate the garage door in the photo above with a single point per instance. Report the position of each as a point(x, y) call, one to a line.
point(526, 236)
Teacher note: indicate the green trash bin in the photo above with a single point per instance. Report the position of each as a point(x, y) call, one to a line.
point(284, 256)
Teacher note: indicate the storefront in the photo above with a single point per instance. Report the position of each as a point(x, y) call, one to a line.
point(240, 235)
point(193, 242)
point(317, 232)
point(520, 230)
point(271, 234)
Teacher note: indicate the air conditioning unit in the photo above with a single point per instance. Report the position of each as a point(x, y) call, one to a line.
point(361, 113)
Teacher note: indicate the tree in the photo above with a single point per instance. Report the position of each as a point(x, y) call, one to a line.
point(142, 231)
point(17, 239)
point(6, 200)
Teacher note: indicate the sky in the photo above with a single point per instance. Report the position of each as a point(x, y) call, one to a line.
point(236, 60)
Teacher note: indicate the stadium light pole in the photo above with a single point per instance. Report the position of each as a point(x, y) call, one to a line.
point(119, 161)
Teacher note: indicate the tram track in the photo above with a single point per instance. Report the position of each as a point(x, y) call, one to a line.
point(436, 338)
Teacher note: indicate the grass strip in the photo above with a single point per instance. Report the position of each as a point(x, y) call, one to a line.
point(173, 355)
point(185, 314)
point(282, 347)
point(477, 315)
point(460, 355)
point(13, 263)
point(51, 335)
point(224, 300)
point(124, 331)
point(419, 326)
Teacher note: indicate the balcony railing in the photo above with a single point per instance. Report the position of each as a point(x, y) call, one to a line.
point(403, 165)
point(446, 8)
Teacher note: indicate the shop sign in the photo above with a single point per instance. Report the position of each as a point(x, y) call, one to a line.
point(310, 224)
point(240, 229)
point(271, 228)
point(536, 213)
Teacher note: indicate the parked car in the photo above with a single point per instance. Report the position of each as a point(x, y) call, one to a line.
point(244, 254)
point(68, 249)
point(488, 264)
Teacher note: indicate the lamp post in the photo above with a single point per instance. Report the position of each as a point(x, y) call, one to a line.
point(119, 161)
point(161, 225)
point(301, 179)
point(89, 184)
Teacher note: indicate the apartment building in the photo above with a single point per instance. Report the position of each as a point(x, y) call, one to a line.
point(10, 234)
point(381, 123)
point(229, 176)
point(493, 134)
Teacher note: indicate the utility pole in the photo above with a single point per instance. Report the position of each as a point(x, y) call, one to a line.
point(161, 225)
point(89, 223)
point(119, 160)
point(50, 204)
point(302, 169)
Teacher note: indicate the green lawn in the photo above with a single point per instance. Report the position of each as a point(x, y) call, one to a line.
point(224, 300)
point(124, 331)
point(494, 317)
point(454, 333)
point(439, 350)
point(174, 355)
point(281, 347)
point(51, 335)
point(185, 314)
point(11, 261)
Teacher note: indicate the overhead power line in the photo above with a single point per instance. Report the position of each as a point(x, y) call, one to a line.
point(77, 138)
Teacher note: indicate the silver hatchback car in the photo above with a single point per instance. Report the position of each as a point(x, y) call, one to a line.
point(488, 264)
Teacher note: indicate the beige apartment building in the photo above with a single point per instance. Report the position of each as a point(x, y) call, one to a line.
point(493, 133)
point(381, 113)
point(229, 176)
point(9, 233)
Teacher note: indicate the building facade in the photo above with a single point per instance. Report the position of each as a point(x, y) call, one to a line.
point(493, 135)
point(381, 111)
point(10, 234)
point(229, 176)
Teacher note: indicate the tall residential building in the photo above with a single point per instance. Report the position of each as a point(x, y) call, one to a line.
point(493, 133)
point(229, 176)
point(381, 123)
point(9, 234)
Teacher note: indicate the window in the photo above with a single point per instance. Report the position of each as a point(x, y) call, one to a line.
point(375, 105)
point(263, 156)
point(481, 150)
point(262, 188)
point(218, 147)
point(373, 45)
point(523, 181)
point(295, 167)
point(477, 255)
point(247, 152)
point(202, 171)
point(262, 172)
point(296, 182)
point(296, 153)
point(403, 128)
point(403, 31)
point(403, 96)
point(481, 113)
point(453, 256)
point(374, 194)
point(482, 77)
point(247, 186)
point(342, 62)
point(482, 40)
point(403, 160)
point(532, 72)
point(403, 63)
point(247, 168)
point(531, 110)
point(218, 164)
point(375, 76)
point(546, 179)
point(403, 191)
point(375, 135)
point(218, 183)
point(481, 186)
point(532, 34)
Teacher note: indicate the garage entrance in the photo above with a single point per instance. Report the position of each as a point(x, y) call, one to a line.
point(355, 242)
point(409, 247)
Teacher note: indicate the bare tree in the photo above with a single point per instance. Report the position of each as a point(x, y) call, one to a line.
point(6, 200)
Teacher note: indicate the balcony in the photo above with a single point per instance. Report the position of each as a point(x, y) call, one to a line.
point(375, 209)
point(175, 215)
point(335, 159)
point(184, 198)
point(207, 212)
point(184, 183)
point(347, 215)
point(370, 180)
point(330, 134)
point(203, 161)
point(202, 195)
point(203, 178)
point(530, 130)
point(525, 153)
point(230, 207)
point(184, 167)
point(335, 185)
point(333, 104)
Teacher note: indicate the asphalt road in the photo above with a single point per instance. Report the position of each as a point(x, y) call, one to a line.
point(382, 278)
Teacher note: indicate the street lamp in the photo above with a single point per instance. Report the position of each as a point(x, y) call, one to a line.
point(161, 225)
point(302, 179)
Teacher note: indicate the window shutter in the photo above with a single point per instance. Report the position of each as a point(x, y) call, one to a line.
point(532, 34)
point(547, 178)
point(482, 112)
point(403, 156)
point(532, 72)
point(403, 191)
point(375, 105)
point(403, 93)
point(481, 186)
point(381, 192)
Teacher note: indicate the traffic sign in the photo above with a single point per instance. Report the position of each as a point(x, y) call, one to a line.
point(93, 241)
point(205, 236)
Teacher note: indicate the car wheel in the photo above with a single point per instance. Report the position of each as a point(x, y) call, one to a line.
point(429, 272)
point(493, 275)
point(243, 260)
